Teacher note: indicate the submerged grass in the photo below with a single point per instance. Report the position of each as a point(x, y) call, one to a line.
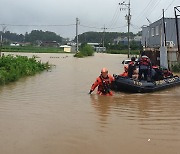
point(12, 68)
point(32, 49)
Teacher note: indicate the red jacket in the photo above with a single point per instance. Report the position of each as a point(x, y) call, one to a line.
point(103, 85)
point(145, 61)
point(167, 74)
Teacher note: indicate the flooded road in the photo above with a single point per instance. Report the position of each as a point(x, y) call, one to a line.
point(52, 113)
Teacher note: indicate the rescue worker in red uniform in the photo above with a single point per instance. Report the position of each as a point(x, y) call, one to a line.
point(131, 67)
point(167, 73)
point(125, 73)
point(145, 68)
point(156, 73)
point(103, 82)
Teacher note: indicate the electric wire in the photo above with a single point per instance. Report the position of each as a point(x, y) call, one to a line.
point(166, 9)
point(135, 26)
point(153, 8)
point(145, 9)
point(115, 16)
point(91, 27)
point(21, 25)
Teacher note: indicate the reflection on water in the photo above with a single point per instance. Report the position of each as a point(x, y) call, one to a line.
point(103, 107)
point(51, 112)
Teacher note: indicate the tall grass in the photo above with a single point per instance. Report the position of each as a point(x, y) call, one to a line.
point(12, 68)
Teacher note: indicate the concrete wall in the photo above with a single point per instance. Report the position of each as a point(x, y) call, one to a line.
point(154, 55)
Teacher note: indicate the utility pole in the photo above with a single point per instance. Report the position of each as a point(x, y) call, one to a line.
point(104, 30)
point(77, 42)
point(164, 28)
point(3, 30)
point(128, 18)
point(177, 8)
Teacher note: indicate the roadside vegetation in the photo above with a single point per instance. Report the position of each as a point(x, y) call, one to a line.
point(176, 68)
point(85, 50)
point(14, 67)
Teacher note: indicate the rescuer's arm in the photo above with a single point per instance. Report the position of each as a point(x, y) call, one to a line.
point(94, 85)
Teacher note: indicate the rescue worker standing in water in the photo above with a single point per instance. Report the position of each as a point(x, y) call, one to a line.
point(145, 68)
point(103, 82)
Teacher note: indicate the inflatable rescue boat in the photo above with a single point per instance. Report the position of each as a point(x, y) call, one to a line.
point(134, 86)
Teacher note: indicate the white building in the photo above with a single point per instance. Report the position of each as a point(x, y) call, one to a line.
point(66, 48)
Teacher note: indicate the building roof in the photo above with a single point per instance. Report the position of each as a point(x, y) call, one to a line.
point(93, 43)
point(65, 46)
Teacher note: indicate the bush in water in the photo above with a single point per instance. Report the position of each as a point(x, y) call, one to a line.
point(85, 51)
point(12, 68)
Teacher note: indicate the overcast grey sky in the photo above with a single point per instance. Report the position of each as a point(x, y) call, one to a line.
point(93, 14)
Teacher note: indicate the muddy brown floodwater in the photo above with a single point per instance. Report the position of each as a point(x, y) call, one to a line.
point(52, 113)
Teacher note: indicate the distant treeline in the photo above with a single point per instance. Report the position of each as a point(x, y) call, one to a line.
point(133, 45)
point(33, 37)
point(92, 37)
point(109, 37)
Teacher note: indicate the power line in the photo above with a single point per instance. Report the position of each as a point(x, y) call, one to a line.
point(135, 26)
point(13, 25)
point(167, 8)
point(115, 17)
point(118, 27)
point(150, 11)
point(145, 9)
point(93, 27)
point(157, 3)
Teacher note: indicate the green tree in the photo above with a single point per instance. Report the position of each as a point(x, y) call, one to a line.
point(39, 35)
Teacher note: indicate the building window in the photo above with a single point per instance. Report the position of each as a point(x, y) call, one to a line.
point(157, 30)
point(152, 32)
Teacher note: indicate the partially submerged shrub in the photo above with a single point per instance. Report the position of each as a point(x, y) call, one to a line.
point(85, 51)
point(12, 68)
